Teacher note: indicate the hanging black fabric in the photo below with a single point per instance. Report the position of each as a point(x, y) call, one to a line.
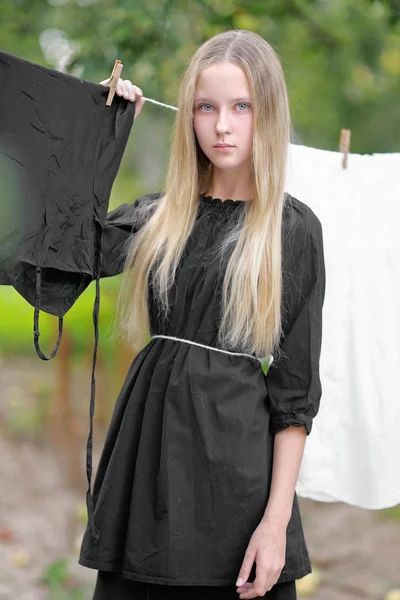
point(60, 150)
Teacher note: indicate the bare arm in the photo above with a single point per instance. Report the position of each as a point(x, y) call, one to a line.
point(288, 452)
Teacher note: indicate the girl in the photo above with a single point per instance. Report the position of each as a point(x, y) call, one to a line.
point(195, 490)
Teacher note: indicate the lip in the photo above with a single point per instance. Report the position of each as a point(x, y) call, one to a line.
point(223, 146)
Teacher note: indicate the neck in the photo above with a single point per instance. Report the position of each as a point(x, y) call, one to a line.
point(224, 184)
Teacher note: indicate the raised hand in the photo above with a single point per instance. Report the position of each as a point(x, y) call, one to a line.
point(126, 89)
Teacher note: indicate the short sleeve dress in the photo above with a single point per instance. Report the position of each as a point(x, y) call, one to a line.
point(185, 471)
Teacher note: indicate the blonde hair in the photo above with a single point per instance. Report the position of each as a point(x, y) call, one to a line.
point(251, 294)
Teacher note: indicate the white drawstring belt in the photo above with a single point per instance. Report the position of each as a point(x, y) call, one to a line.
point(170, 337)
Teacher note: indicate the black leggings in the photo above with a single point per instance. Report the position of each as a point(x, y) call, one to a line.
point(110, 585)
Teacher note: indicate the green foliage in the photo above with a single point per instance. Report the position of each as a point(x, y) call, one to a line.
point(55, 573)
point(61, 585)
point(341, 58)
point(16, 331)
point(392, 513)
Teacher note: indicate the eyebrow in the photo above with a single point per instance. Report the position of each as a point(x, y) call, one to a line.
point(242, 99)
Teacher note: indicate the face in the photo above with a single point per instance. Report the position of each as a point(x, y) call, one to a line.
point(223, 114)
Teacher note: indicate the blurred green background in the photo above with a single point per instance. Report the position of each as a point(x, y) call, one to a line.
point(342, 64)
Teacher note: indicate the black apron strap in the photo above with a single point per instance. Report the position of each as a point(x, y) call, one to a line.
point(89, 447)
point(36, 332)
point(89, 496)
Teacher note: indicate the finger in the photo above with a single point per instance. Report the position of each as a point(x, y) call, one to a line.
point(262, 581)
point(131, 90)
point(245, 569)
point(244, 588)
point(119, 89)
point(259, 585)
point(248, 593)
point(126, 89)
point(135, 92)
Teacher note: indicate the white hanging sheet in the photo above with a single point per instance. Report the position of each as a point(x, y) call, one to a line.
point(353, 452)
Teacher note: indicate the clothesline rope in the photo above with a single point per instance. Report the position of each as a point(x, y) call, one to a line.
point(160, 103)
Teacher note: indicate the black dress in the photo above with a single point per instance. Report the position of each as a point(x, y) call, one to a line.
point(185, 472)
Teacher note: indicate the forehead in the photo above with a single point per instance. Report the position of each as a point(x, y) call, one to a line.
point(223, 80)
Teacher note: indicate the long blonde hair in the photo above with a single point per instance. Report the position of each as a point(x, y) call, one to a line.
point(251, 294)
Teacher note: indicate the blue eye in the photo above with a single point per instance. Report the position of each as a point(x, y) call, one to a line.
point(238, 104)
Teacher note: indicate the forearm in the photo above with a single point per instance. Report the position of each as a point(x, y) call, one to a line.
point(288, 453)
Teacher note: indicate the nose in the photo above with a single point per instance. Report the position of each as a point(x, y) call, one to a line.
point(223, 124)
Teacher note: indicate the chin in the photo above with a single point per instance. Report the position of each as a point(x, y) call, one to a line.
point(226, 164)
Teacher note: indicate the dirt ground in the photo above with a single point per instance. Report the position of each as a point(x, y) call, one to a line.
point(355, 551)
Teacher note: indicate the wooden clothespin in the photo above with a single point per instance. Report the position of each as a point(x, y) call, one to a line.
point(344, 145)
point(112, 82)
